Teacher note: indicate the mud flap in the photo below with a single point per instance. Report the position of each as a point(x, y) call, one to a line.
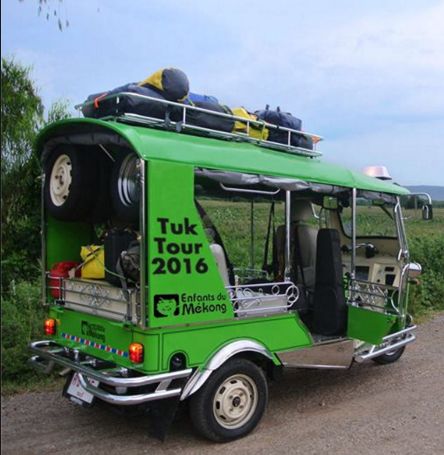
point(161, 414)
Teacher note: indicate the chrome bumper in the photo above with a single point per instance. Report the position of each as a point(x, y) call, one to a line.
point(390, 342)
point(47, 353)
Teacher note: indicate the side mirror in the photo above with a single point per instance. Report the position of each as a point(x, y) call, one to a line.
point(427, 212)
point(415, 270)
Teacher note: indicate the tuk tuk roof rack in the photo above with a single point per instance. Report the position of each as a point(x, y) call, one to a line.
point(184, 126)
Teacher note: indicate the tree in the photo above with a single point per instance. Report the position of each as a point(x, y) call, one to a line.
point(21, 118)
point(52, 10)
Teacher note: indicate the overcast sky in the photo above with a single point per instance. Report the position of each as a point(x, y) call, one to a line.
point(366, 75)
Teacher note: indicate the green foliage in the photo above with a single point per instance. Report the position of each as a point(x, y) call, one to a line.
point(232, 219)
point(22, 318)
point(429, 294)
point(22, 312)
point(21, 114)
point(22, 117)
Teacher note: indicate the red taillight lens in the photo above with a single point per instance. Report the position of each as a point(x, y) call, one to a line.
point(49, 327)
point(136, 352)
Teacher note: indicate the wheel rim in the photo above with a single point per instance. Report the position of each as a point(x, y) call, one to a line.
point(60, 180)
point(235, 401)
point(128, 183)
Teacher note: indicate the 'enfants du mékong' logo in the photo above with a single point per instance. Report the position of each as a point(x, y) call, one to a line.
point(166, 305)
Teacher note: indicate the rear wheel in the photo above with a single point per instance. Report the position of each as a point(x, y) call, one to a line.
point(232, 401)
point(390, 356)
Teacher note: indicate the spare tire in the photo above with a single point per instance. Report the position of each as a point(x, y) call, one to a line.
point(125, 187)
point(102, 207)
point(70, 182)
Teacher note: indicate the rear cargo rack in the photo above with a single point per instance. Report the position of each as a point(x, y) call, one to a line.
point(185, 126)
point(96, 297)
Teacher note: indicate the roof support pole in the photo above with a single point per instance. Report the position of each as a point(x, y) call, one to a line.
point(252, 265)
point(143, 243)
point(43, 237)
point(287, 235)
point(353, 252)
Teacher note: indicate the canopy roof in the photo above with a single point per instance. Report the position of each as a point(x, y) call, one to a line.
point(208, 153)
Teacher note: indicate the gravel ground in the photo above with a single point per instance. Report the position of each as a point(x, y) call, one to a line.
point(369, 409)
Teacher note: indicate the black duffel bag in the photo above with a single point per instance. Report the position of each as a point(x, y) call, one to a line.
point(210, 121)
point(286, 120)
point(102, 106)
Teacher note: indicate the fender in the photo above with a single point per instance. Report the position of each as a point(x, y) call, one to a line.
point(199, 377)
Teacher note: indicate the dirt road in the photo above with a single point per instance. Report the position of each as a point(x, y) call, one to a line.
point(369, 409)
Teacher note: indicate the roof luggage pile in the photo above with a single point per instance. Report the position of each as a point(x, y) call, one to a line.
point(165, 98)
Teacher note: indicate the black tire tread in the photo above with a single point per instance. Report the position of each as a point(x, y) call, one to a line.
point(201, 402)
point(385, 359)
point(80, 201)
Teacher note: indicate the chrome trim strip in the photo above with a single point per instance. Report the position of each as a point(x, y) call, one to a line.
point(318, 367)
point(287, 269)
point(334, 354)
point(200, 376)
point(43, 237)
point(363, 354)
point(243, 190)
point(143, 247)
point(353, 252)
point(127, 400)
point(377, 352)
point(400, 333)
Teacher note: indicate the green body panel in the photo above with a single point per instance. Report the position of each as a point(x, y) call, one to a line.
point(184, 283)
point(277, 333)
point(220, 154)
point(368, 325)
point(63, 240)
point(197, 342)
point(96, 330)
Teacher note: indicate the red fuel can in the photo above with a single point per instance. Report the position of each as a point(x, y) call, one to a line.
point(60, 270)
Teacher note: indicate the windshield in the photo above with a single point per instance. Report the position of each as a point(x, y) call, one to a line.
point(374, 218)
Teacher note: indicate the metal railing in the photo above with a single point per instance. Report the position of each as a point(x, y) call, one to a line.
point(185, 124)
point(96, 297)
point(263, 298)
point(374, 295)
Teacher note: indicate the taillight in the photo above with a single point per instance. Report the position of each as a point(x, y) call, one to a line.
point(49, 327)
point(136, 352)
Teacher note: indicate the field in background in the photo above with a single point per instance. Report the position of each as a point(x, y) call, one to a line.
point(425, 238)
point(232, 219)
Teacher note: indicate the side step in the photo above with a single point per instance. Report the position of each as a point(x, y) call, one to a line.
point(390, 342)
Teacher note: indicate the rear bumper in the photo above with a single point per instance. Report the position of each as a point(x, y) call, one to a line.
point(47, 354)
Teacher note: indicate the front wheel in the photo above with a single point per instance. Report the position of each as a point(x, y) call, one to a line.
point(390, 356)
point(232, 401)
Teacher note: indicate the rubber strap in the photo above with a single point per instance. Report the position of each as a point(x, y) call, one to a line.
point(96, 100)
point(267, 239)
point(299, 256)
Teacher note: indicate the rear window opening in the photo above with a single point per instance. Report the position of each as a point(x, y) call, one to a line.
point(92, 206)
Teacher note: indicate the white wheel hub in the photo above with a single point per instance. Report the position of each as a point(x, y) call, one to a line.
point(60, 180)
point(235, 401)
